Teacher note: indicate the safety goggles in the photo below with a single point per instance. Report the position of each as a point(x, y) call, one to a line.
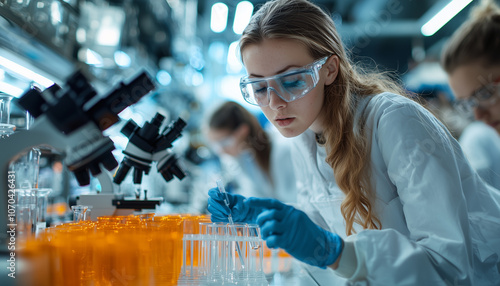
point(226, 142)
point(289, 86)
point(484, 97)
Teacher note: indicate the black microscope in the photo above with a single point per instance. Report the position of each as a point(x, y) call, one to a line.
point(70, 119)
point(145, 146)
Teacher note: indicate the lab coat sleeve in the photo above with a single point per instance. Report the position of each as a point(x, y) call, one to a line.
point(481, 145)
point(421, 159)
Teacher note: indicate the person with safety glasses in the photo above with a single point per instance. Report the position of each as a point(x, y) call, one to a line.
point(472, 60)
point(255, 162)
point(386, 195)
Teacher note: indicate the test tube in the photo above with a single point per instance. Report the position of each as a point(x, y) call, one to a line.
point(255, 255)
point(204, 258)
point(218, 252)
point(237, 272)
point(41, 207)
point(232, 230)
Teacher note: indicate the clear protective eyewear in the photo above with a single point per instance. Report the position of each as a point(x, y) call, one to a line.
point(289, 86)
point(484, 97)
point(224, 143)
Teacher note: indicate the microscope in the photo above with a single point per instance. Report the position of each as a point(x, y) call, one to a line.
point(147, 145)
point(70, 119)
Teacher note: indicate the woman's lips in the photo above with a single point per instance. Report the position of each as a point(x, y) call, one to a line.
point(282, 122)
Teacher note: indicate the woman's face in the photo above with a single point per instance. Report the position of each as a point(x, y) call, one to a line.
point(275, 56)
point(468, 79)
point(227, 141)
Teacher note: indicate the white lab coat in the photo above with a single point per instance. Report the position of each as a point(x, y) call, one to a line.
point(481, 144)
point(440, 222)
point(253, 182)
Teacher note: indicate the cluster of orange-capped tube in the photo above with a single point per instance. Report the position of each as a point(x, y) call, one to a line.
point(116, 250)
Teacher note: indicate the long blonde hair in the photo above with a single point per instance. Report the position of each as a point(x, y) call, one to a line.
point(477, 39)
point(348, 152)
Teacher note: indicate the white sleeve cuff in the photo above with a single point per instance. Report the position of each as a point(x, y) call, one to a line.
point(350, 266)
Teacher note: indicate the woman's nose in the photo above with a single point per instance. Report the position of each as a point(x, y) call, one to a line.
point(275, 101)
point(480, 112)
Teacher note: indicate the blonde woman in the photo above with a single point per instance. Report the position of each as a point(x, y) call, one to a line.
point(386, 195)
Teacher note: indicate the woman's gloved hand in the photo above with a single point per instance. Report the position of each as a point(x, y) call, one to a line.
point(240, 210)
point(288, 228)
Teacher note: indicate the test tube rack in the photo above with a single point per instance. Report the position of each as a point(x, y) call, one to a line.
point(210, 257)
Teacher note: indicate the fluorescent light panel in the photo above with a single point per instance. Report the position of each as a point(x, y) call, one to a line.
point(10, 89)
point(24, 72)
point(443, 16)
point(233, 62)
point(218, 18)
point(244, 11)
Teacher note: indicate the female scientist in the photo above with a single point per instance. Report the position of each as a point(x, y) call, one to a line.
point(263, 163)
point(472, 60)
point(386, 194)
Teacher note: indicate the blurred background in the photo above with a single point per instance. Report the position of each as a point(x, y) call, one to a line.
point(190, 48)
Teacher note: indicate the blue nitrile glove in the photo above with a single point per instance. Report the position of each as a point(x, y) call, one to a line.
point(291, 229)
point(240, 210)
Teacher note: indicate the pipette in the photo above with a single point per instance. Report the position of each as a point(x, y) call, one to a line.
point(222, 190)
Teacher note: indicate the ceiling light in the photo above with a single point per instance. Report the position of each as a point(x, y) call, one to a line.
point(218, 19)
point(109, 31)
point(10, 89)
point(443, 16)
point(233, 62)
point(24, 72)
point(242, 16)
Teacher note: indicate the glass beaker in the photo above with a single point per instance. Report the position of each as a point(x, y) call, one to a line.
point(6, 128)
point(25, 206)
point(26, 168)
point(79, 213)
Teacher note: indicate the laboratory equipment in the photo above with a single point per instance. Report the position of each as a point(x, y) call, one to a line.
point(79, 213)
point(25, 213)
point(6, 128)
point(42, 197)
point(147, 145)
point(220, 186)
point(71, 120)
point(219, 260)
point(26, 169)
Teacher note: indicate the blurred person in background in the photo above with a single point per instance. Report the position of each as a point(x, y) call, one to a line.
point(254, 163)
point(472, 60)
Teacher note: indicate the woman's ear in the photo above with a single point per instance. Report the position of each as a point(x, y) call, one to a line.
point(332, 67)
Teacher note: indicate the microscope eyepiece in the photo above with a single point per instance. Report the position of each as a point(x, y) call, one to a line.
point(129, 128)
point(105, 112)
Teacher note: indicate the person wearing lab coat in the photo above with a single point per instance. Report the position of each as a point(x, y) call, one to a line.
point(481, 144)
point(255, 162)
point(471, 59)
point(386, 194)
